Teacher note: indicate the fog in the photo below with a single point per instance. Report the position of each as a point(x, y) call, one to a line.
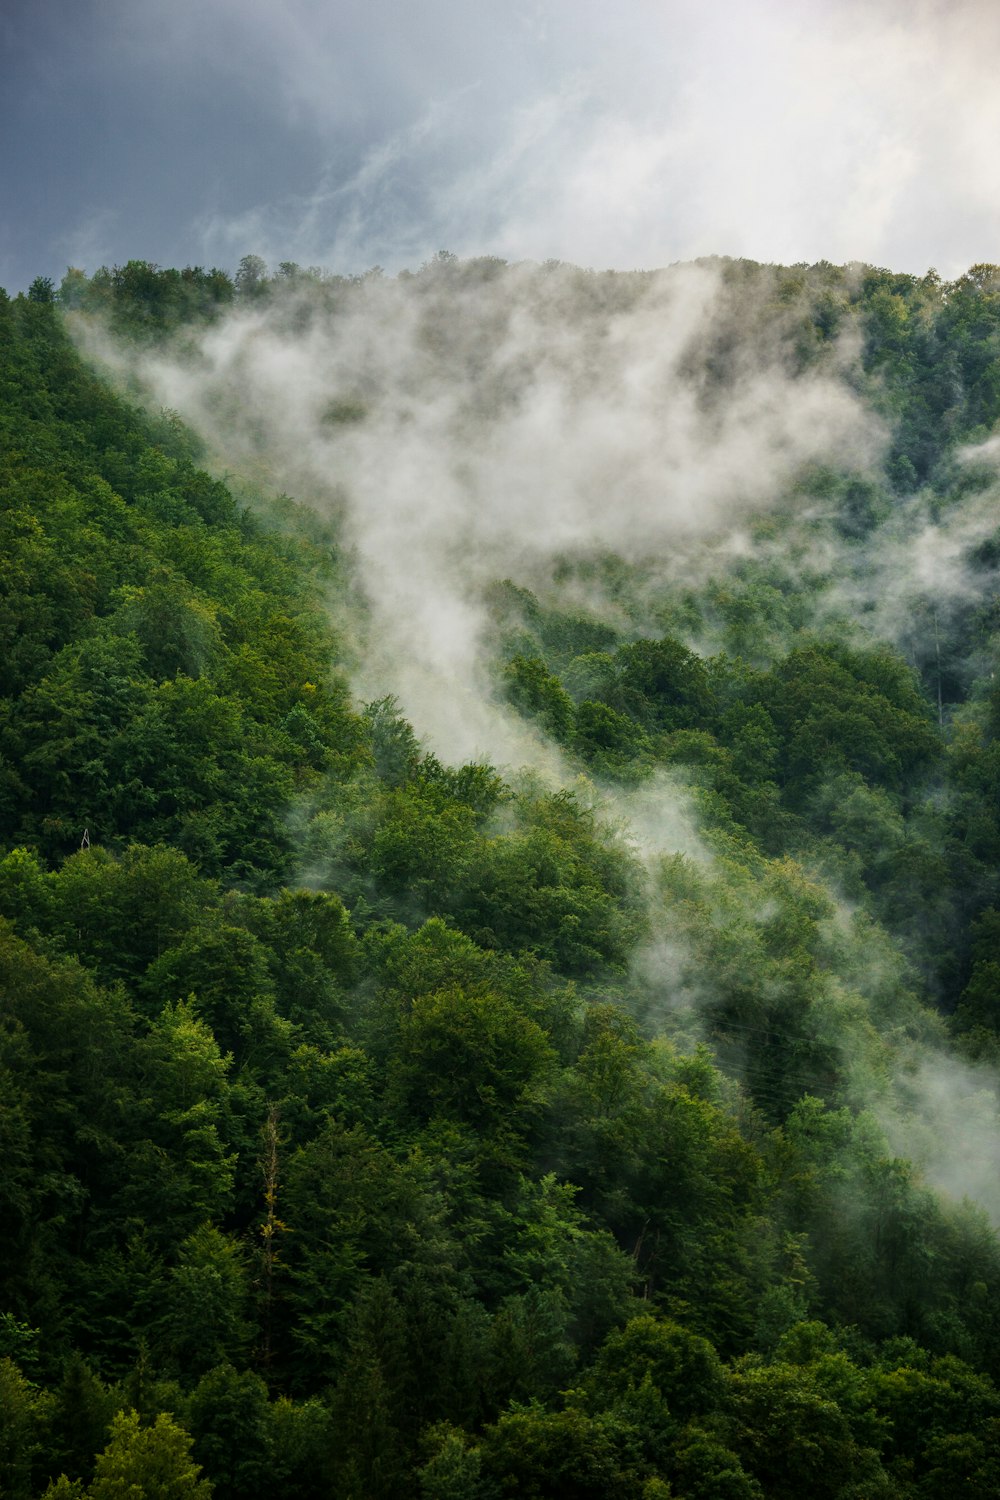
point(467, 428)
point(475, 422)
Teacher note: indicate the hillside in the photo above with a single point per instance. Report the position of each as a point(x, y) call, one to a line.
point(499, 789)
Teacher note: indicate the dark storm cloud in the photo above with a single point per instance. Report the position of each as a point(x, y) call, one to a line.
point(119, 136)
point(345, 134)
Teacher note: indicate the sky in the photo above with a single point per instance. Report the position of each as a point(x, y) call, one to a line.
point(346, 134)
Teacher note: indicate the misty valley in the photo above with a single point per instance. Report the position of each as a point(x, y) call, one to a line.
point(500, 883)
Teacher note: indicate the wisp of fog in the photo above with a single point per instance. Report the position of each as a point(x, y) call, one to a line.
point(469, 426)
point(478, 421)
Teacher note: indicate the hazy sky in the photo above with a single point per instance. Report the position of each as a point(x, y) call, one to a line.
point(345, 134)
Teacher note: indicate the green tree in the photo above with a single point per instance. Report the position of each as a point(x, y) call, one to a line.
point(229, 1418)
point(154, 1462)
point(205, 1304)
point(538, 693)
point(790, 1438)
point(83, 1407)
point(373, 1399)
point(226, 969)
point(556, 1456)
point(452, 1472)
point(664, 685)
point(251, 277)
point(25, 1414)
point(683, 1367)
point(470, 1056)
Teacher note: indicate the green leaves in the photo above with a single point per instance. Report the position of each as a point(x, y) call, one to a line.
point(469, 1056)
point(840, 710)
point(153, 1461)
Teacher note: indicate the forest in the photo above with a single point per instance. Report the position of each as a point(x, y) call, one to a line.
point(598, 1098)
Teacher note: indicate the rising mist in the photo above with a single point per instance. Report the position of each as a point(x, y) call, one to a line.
point(478, 421)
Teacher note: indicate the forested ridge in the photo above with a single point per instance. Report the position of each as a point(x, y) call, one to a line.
point(376, 1125)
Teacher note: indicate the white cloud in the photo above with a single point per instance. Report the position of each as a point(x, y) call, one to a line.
point(776, 131)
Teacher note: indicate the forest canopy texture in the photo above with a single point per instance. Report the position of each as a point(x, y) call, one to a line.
point(613, 1118)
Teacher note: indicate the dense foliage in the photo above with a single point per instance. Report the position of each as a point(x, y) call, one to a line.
point(374, 1126)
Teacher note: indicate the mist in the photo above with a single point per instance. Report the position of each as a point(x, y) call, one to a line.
point(480, 421)
point(466, 427)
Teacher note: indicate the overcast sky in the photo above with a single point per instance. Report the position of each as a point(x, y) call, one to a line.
point(347, 134)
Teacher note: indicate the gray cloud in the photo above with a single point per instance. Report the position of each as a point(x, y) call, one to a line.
point(352, 134)
point(777, 132)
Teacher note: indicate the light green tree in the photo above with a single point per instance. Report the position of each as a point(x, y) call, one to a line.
point(147, 1463)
